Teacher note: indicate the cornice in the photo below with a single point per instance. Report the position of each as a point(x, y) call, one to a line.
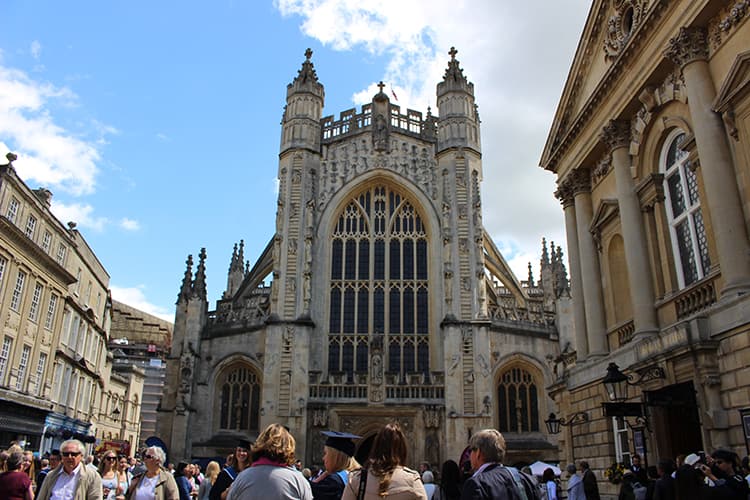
point(615, 72)
point(32, 251)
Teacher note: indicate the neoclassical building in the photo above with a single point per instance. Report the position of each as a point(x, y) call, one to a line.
point(650, 148)
point(379, 297)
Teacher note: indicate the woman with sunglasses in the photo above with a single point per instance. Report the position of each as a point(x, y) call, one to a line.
point(156, 483)
point(108, 473)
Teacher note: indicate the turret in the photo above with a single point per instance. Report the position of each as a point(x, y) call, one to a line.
point(304, 107)
point(458, 126)
point(236, 270)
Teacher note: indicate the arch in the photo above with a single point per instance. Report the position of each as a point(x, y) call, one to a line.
point(519, 393)
point(674, 114)
point(237, 384)
point(413, 205)
point(683, 210)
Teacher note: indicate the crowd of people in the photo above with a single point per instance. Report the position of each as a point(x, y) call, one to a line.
point(268, 469)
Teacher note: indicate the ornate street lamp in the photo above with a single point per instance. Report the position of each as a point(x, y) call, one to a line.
point(553, 423)
point(616, 382)
point(116, 414)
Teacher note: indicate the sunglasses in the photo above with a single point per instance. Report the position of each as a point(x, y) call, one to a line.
point(70, 453)
point(110, 458)
point(148, 457)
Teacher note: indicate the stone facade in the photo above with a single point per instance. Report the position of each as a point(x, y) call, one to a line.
point(380, 296)
point(650, 148)
point(56, 378)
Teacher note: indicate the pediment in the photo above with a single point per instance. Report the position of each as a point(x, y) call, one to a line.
point(610, 27)
point(579, 78)
point(736, 83)
point(607, 210)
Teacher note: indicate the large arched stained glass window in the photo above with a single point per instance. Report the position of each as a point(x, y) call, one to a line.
point(518, 401)
point(688, 232)
point(379, 284)
point(239, 398)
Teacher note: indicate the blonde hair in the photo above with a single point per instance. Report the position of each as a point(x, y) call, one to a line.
point(338, 459)
point(212, 470)
point(274, 443)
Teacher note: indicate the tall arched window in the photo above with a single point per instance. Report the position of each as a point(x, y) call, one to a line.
point(379, 284)
point(239, 398)
point(518, 401)
point(688, 232)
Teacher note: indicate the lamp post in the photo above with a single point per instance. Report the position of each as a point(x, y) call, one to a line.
point(553, 423)
point(116, 414)
point(616, 384)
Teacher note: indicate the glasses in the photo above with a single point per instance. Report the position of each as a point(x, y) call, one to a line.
point(148, 457)
point(70, 453)
point(718, 461)
point(110, 458)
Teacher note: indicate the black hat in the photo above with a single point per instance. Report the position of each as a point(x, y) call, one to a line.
point(341, 441)
point(244, 443)
point(725, 455)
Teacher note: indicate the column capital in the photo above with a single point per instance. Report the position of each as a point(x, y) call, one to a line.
point(565, 194)
point(579, 181)
point(690, 44)
point(616, 134)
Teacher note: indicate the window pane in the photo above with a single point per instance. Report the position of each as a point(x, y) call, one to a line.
point(408, 259)
point(362, 311)
point(379, 260)
point(364, 259)
point(395, 312)
point(675, 194)
point(422, 259)
point(687, 256)
point(395, 259)
point(336, 259)
point(700, 233)
point(351, 259)
point(335, 321)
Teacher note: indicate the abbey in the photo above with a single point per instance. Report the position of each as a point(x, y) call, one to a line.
point(387, 300)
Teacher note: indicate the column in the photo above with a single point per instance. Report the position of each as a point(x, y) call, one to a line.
point(591, 278)
point(689, 50)
point(616, 134)
point(565, 195)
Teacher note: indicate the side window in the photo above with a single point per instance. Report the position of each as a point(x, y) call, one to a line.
point(686, 227)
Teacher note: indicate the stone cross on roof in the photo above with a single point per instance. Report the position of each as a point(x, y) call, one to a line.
point(381, 85)
point(308, 53)
point(453, 52)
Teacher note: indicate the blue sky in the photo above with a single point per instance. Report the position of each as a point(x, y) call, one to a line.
point(156, 124)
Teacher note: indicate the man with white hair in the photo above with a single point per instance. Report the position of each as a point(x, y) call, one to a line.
point(71, 480)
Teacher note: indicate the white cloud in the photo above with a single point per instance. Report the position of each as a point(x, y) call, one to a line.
point(129, 224)
point(36, 49)
point(48, 154)
point(135, 297)
point(517, 55)
point(80, 213)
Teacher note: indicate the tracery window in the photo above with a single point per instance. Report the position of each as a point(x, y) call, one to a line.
point(378, 284)
point(518, 401)
point(239, 398)
point(686, 226)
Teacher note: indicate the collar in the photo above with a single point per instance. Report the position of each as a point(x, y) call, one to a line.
point(484, 466)
point(268, 461)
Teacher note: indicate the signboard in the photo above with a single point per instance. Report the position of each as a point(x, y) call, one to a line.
point(622, 409)
point(119, 447)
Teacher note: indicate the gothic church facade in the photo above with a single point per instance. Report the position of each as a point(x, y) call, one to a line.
point(387, 301)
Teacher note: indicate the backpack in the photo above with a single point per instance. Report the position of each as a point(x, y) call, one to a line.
point(639, 491)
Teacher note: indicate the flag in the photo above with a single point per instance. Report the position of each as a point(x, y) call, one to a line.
point(394, 94)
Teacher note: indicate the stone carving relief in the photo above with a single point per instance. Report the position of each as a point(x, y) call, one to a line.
point(346, 160)
point(625, 19)
point(722, 25)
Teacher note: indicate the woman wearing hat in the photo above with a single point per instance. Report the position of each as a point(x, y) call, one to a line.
point(240, 461)
point(338, 461)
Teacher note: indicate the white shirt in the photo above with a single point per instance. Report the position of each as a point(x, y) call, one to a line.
point(65, 486)
point(145, 490)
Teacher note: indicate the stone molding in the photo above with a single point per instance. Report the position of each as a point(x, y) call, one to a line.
point(579, 181)
point(721, 26)
point(688, 46)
